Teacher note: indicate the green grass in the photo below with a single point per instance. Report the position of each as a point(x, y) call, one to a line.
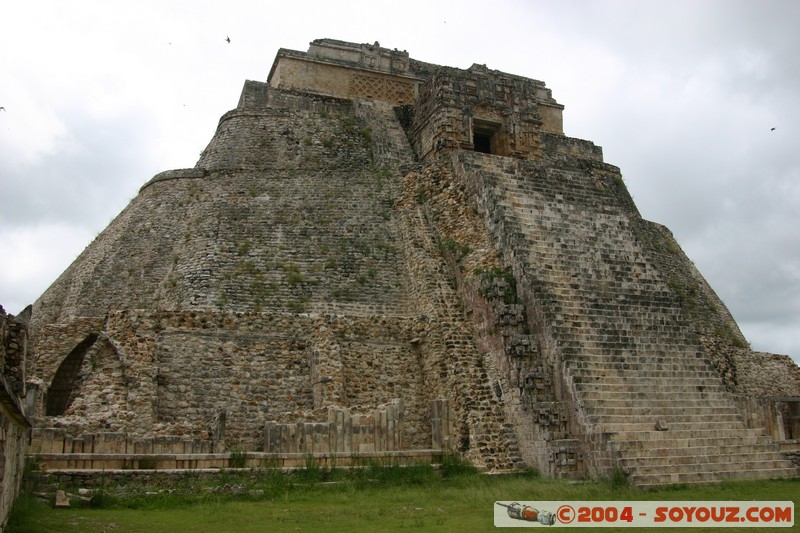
point(388, 499)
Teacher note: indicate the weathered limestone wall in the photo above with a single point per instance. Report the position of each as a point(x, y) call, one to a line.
point(14, 436)
point(224, 376)
point(513, 112)
point(347, 70)
point(342, 82)
point(766, 374)
point(768, 392)
point(378, 431)
point(14, 426)
point(289, 216)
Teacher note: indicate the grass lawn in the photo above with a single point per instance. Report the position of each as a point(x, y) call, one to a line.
point(387, 499)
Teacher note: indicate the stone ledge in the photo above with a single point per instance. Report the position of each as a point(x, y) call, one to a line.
point(175, 174)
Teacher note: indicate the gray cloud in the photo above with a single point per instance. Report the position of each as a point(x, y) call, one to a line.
point(75, 186)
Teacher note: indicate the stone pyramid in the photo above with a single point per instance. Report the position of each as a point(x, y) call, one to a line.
point(377, 256)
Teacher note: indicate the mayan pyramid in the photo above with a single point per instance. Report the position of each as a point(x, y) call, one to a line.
point(380, 257)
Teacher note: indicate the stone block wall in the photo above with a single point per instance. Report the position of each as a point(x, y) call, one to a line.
point(513, 113)
point(55, 441)
point(291, 216)
point(223, 376)
point(767, 375)
point(14, 435)
point(377, 431)
point(328, 68)
point(14, 425)
point(768, 391)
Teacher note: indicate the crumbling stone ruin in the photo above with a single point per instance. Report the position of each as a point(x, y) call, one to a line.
point(14, 425)
point(381, 257)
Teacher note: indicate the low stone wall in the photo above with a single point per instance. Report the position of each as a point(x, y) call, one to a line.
point(128, 464)
point(344, 432)
point(82, 475)
point(378, 433)
point(60, 441)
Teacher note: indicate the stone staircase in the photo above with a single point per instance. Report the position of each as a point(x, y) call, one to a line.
point(647, 397)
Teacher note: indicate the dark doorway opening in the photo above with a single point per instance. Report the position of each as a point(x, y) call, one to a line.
point(58, 395)
point(484, 136)
point(482, 142)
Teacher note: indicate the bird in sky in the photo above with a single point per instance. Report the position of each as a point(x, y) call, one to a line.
point(2, 108)
point(773, 129)
point(228, 39)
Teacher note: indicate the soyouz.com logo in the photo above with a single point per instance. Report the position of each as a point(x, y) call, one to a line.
point(643, 514)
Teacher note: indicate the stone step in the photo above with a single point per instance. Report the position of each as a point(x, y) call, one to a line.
point(588, 378)
point(598, 391)
point(595, 305)
point(618, 258)
point(625, 321)
point(642, 356)
point(589, 345)
point(622, 424)
point(660, 303)
point(615, 402)
point(679, 386)
point(634, 362)
point(687, 412)
point(636, 397)
point(607, 300)
point(682, 438)
point(620, 377)
point(624, 293)
point(623, 316)
point(722, 447)
point(638, 341)
point(699, 446)
point(566, 310)
point(531, 201)
point(707, 476)
point(698, 461)
point(604, 340)
point(686, 392)
point(615, 377)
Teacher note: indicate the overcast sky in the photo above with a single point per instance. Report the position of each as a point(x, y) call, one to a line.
point(683, 96)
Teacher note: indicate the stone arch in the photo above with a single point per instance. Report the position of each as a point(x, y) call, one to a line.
point(60, 390)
